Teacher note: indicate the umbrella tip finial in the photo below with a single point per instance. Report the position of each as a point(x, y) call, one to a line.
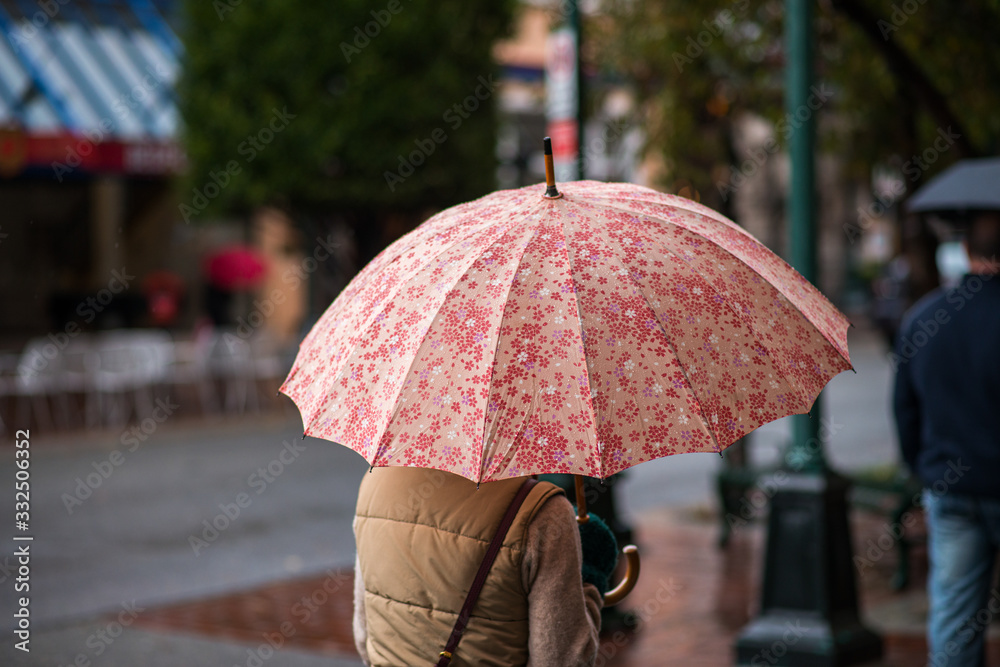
point(550, 175)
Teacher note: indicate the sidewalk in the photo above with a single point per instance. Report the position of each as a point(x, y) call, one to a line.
point(691, 602)
point(281, 568)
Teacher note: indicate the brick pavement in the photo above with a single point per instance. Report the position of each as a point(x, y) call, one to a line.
point(691, 601)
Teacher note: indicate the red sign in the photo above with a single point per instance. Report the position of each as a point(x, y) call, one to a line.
point(65, 153)
point(563, 134)
point(561, 108)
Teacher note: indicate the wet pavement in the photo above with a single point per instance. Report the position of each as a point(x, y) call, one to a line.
point(692, 600)
point(210, 543)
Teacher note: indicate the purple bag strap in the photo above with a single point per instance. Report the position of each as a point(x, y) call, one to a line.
point(484, 569)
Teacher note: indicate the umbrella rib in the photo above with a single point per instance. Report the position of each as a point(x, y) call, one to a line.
point(417, 238)
point(803, 394)
point(672, 347)
point(528, 213)
point(748, 265)
point(398, 404)
point(676, 202)
point(801, 391)
point(373, 449)
point(586, 367)
point(402, 283)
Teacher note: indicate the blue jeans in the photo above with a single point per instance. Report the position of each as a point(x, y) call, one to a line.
point(963, 536)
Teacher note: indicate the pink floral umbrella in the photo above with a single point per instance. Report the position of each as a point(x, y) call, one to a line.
point(580, 332)
point(519, 334)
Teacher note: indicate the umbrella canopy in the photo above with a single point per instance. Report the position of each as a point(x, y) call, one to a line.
point(235, 267)
point(966, 185)
point(516, 335)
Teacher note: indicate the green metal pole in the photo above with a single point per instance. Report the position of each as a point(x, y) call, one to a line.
point(806, 451)
point(808, 577)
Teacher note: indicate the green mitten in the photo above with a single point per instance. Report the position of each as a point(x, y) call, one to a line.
point(600, 552)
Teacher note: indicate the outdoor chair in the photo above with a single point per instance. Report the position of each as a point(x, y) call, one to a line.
point(232, 362)
point(270, 364)
point(190, 367)
point(75, 377)
point(35, 383)
point(131, 363)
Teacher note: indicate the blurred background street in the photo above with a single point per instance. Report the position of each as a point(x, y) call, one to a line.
point(186, 187)
point(133, 542)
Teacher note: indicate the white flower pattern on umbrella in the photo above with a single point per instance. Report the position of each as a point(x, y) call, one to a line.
point(614, 325)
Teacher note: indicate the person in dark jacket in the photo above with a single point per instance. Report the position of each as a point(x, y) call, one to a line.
point(947, 408)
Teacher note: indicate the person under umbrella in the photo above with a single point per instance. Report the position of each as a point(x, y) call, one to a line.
point(229, 270)
point(946, 398)
point(579, 332)
point(420, 535)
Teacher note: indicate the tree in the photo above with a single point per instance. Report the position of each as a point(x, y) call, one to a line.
point(901, 72)
point(364, 111)
point(696, 65)
point(909, 88)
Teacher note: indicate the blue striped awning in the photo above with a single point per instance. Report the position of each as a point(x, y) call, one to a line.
point(101, 68)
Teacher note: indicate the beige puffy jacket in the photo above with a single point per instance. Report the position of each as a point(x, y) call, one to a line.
point(421, 536)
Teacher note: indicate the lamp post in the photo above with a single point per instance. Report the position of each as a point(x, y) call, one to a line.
point(809, 606)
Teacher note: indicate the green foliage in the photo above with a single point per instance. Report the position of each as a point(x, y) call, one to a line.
point(699, 63)
point(360, 101)
point(951, 44)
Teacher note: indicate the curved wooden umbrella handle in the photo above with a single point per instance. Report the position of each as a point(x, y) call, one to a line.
point(618, 593)
point(625, 586)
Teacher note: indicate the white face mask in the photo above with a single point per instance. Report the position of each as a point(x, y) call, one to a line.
point(952, 261)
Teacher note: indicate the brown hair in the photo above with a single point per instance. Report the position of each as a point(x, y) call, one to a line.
point(983, 237)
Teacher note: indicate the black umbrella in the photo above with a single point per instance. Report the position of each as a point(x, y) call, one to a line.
point(965, 186)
